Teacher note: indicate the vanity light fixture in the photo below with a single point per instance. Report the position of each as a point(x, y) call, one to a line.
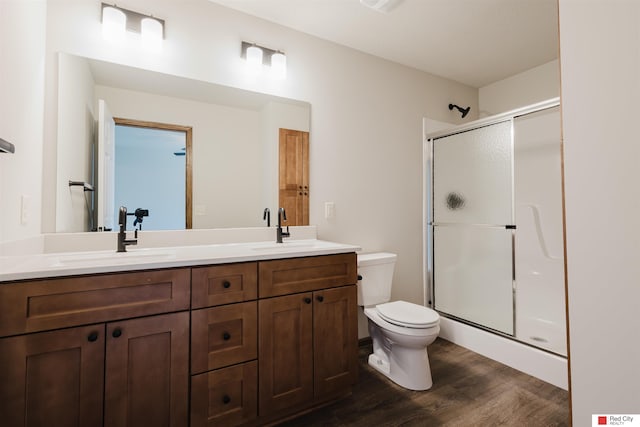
point(116, 21)
point(259, 56)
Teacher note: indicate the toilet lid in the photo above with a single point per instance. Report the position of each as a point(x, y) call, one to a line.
point(406, 314)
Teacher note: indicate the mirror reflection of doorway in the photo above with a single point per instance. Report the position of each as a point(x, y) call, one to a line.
point(153, 171)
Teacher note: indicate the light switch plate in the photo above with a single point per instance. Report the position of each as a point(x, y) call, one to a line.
point(329, 210)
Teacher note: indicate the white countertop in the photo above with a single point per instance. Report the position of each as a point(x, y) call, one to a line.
point(91, 262)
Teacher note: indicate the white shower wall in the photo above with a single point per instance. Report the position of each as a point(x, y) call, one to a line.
point(539, 257)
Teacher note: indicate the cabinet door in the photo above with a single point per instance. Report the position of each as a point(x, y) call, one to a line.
point(285, 347)
point(147, 371)
point(52, 378)
point(335, 340)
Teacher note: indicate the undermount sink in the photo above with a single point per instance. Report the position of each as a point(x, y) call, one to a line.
point(288, 245)
point(107, 258)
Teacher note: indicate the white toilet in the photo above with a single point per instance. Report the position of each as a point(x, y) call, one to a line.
point(400, 331)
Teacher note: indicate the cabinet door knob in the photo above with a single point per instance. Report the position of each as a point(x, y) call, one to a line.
point(226, 399)
point(226, 284)
point(307, 300)
point(320, 298)
point(93, 337)
point(226, 336)
point(116, 333)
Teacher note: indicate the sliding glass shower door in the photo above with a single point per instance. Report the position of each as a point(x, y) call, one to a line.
point(473, 231)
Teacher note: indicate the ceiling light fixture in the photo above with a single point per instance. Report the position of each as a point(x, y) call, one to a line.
point(116, 21)
point(259, 56)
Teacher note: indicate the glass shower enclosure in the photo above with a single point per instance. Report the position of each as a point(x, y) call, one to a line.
point(494, 225)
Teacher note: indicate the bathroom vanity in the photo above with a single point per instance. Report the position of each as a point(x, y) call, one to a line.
point(242, 339)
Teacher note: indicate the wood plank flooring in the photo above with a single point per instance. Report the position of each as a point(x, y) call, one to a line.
point(468, 390)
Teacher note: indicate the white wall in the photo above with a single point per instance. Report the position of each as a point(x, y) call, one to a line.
point(600, 59)
point(526, 88)
point(22, 45)
point(366, 120)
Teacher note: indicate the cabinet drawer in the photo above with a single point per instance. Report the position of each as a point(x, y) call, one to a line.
point(58, 303)
point(224, 284)
point(287, 276)
point(222, 336)
point(225, 397)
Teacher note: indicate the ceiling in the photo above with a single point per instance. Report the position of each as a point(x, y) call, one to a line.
point(475, 42)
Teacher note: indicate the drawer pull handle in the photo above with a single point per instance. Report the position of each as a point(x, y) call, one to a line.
point(226, 336)
point(320, 298)
point(307, 300)
point(226, 399)
point(116, 333)
point(226, 284)
point(93, 337)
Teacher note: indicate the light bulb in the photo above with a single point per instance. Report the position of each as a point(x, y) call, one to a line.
point(114, 24)
point(279, 66)
point(254, 58)
point(151, 33)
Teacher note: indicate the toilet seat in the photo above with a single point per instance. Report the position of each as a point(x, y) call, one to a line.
point(408, 315)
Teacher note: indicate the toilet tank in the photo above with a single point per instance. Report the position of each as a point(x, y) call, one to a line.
point(376, 270)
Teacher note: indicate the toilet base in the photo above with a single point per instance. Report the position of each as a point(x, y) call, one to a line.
point(420, 377)
point(379, 364)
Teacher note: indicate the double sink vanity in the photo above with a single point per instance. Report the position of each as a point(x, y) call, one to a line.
point(202, 335)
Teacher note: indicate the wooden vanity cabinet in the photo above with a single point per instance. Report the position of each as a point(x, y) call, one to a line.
point(307, 340)
point(103, 368)
point(256, 342)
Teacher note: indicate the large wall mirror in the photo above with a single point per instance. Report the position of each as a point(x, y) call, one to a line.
point(234, 141)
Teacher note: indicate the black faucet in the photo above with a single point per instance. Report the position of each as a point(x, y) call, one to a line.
point(122, 234)
point(266, 215)
point(282, 215)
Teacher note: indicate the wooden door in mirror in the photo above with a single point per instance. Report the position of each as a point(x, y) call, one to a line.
point(294, 176)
